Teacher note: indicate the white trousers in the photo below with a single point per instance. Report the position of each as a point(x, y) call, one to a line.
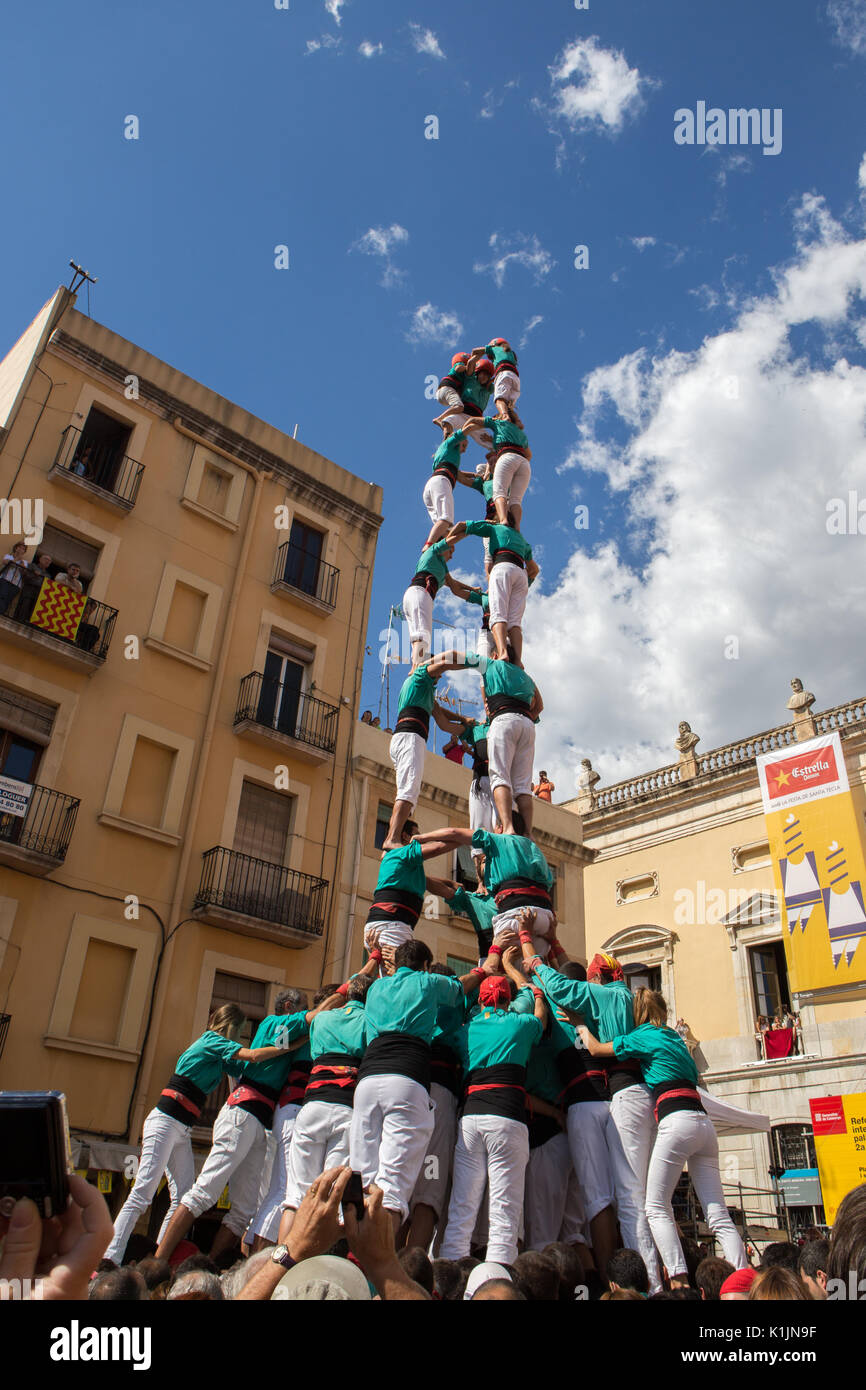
point(688, 1136)
point(511, 477)
point(632, 1112)
point(439, 499)
point(491, 1150)
point(435, 1175)
point(508, 587)
point(449, 398)
point(547, 1176)
point(542, 928)
point(482, 812)
point(165, 1148)
point(392, 1121)
point(599, 1160)
point(267, 1222)
point(511, 752)
point(320, 1140)
point(506, 387)
point(574, 1229)
point(407, 751)
point(418, 612)
point(236, 1158)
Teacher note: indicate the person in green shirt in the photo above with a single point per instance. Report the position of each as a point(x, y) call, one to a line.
point(685, 1133)
point(512, 570)
point(512, 472)
point(165, 1137)
point(431, 572)
point(506, 376)
point(465, 393)
point(479, 907)
point(439, 488)
point(398, 897)
point(416, 706)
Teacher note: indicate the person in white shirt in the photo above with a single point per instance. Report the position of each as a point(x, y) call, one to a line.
point(11, 580)
point(69, 578)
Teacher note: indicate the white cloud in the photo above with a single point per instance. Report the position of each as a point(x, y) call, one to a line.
point(861, 176)
point(849, 20)
point(605, 91)
point(381, 242)
point(425, 41)
point(432, 325)
point(641, 243)
point(720, 464)
point(494, 98)
point(326, 41)
point(334, 7)
point(370, 50)
point(528, 253)
point(535, 322)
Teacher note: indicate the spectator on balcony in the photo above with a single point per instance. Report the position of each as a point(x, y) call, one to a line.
point(69, 578)
point(453, 750)
point(88, 633)
point(367, 717)
point(83, 465)
point(376, 722)
point(544, 788)
point(12, 575)
point(37, 571)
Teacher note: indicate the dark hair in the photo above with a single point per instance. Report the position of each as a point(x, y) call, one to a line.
point(194, 1262)
point(569, 1266)
point(437, 968)
point(413, 954)
point(138, 1248)
point(677, 1296)
point(518, 822)
point(693, 1255)
point(290, 1001)
point(449, 1280)
point(410, 828)
point(153, 1271)
point(511, 1291)
point(106, 1266)
point(418, 1266)
point(710, 1275)
point(357, 990)
point(537, 1277)
point(781, 1252)
point(848, 1237)
point(626, 1268)
point(119, 1286)
point(814, 1255)
point(324, 993)
point(573, 970)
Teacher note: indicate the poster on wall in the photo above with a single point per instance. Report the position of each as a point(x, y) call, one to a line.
point(839, 1126)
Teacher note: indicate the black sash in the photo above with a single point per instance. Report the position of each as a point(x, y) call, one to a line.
point(583, 1077)
point(521, 892)
point(505, 704)
point(623, 1072)
point(670, 1096)
point(412, 719)
point(507, 557)
point(541, 1129)
point(425, 580)
point(445, 1068)
point(333, 1079)
point(397, 1054)
point(499, 1090)
point(392, 904)
point(184, 1087)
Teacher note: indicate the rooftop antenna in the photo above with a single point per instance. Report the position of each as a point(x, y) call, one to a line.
point(76, 282)
point(295, 432)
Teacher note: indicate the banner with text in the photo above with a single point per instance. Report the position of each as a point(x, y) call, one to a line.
point(839, 1126)
point(818, 862)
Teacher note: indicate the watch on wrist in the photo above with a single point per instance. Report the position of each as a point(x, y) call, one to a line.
point(280, 1256)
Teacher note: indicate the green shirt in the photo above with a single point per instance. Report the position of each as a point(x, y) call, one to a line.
point(209, 1057)
point(500, 537)
point(484, 486)
point(504, 678)
point(417, 690)
point(338, 1030)
point(493, 1037)
point(431, 562)
point(408, 1002)
point(498, 354)
point(479, 908)
point(542, 1073)
point(662, 1053)
point(511, 856)
point(450, 1019)
point(481, 597)
point(277, 1030)
point(473, 392)
point(506, 432)
point(607, 1008)
point(403, 868)
point(448, 454)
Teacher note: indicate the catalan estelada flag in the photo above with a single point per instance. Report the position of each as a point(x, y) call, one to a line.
point(58, 610)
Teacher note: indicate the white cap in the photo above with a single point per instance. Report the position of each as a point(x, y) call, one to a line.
point(483, 1274)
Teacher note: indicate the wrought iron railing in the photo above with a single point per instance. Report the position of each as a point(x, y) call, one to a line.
point(301, 570)
point(46, 826)
point(276, 706)
point(92, 634)
point(103, 465)
point(254, 888)
point(5, 1020)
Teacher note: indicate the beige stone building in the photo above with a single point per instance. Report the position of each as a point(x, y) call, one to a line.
point(182, 755)
point(681, 890)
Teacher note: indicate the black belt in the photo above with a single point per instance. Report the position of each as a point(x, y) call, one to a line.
point(445, 1068)
point(582, 1081)
point(506, 367)
point(510, 449)
point(505, 704)
point(507, 557)
point(499, 1090)
point(397, 1054)
point(425, 580)
point(670, 1096)
point(185, 1090)
point(392, 904)
point(623, 1072)
point(412, 719)
point(445, 473)
point(333, 1079)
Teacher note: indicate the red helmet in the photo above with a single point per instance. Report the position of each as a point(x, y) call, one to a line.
point(459, 357)
point(484, 365)
point(499, 342)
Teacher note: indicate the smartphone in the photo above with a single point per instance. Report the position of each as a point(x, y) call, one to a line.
point(35, 1153)
point(354, 1195)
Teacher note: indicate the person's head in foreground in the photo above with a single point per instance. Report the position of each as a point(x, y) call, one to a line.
point(710, 1275)
point(813, 1265)
point(490, 1282)
point(847, 1258)
point(777, 1285)
point(325, 1278)
point(626, 1270)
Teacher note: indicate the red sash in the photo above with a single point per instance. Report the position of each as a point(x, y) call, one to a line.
point(185, 1101)
point(246, 1092)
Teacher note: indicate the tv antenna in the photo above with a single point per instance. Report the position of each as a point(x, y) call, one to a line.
point(81, 277)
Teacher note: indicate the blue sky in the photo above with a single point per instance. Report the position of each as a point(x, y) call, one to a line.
point(700, 387)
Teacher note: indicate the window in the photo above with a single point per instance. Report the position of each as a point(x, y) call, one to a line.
point(464, 869)
point(148, 782)
point(769, 978)
point(102, 991)
point(184, 620)
point(19, 757)
point(459, 966)
point(183, 624)
point(303, 558)
point(264, 823)
point(639, 976)
point(793, 1146)
point(101, 449)
point(25, 715)
point(252, 997)
point(66, 550)
point(213, 492)
point(285, 678)
point(149, 776)
point(383, 820)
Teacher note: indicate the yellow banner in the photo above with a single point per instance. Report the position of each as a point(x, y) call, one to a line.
point(818, 863)
point(839, 1126)
point(224, 1204)
point(105, 1179)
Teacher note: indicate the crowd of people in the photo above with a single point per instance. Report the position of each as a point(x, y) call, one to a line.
point(21, 583)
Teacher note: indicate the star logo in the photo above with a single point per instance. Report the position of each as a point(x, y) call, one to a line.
point(783, 779)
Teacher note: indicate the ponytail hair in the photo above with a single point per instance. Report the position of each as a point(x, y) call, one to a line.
point(650, 1007)
point(227, 1019)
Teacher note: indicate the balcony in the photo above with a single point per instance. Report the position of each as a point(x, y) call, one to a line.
point(5, 1020)
point(302, 575)
point(272, 713)
point(36, 842)
point(99, 469)
point(89, 641)
point(259, 899)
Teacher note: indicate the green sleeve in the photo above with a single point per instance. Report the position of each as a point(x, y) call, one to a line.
point(458, 901)
point(475, 596)
point(633, 1045)
point(478, 528)
point(568, 994)
point(524, 1003)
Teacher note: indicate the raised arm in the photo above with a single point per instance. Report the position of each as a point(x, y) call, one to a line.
point(452, 724)
point(457, 532)
point(447, 661)
point(592, 1044)
point(467, 479)
point(458, 588)
point(450, 837)
point(442, 887)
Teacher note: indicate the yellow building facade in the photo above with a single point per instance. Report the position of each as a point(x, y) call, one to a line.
point(182, 748)
point(681, 890)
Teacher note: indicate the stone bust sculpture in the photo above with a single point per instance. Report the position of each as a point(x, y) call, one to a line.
point(802, 700)
point(686, 741)
point(587, 777)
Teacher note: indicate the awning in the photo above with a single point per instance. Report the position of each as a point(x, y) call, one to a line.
point(730, 1119)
